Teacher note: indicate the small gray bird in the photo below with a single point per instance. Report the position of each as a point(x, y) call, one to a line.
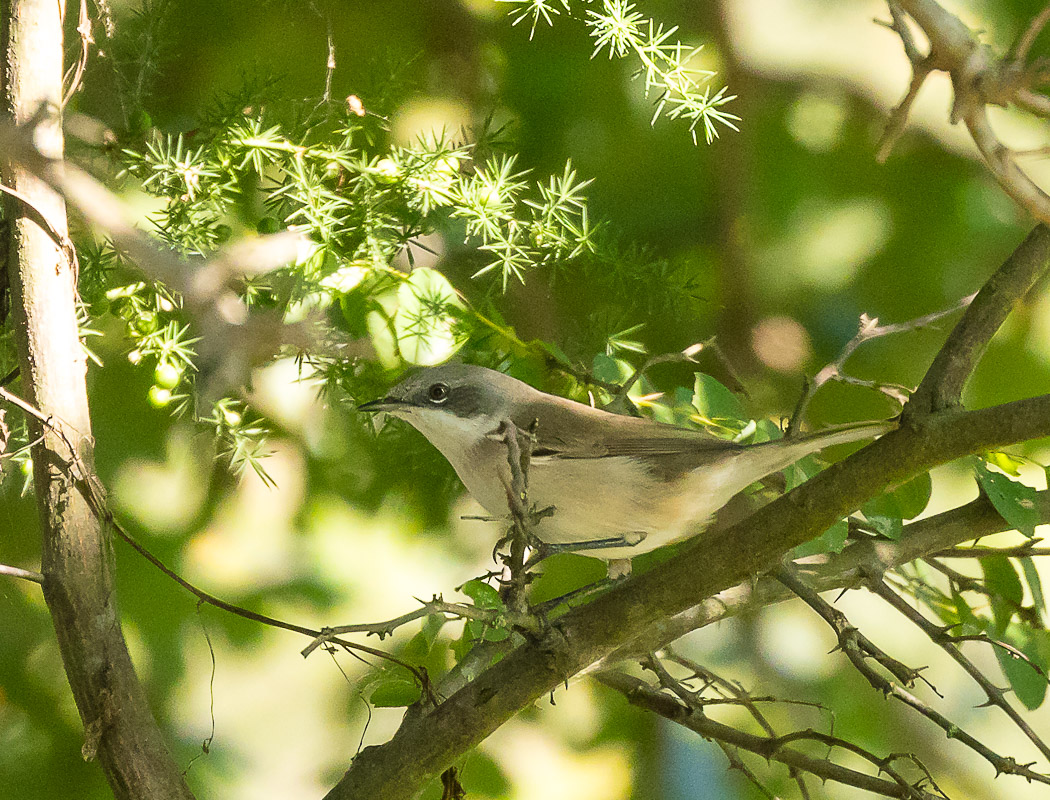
point(618, 485)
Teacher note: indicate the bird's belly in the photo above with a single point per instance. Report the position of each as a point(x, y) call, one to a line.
point(604, 498)
point(608, 498)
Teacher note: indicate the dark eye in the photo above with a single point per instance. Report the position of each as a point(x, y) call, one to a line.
point(438, 393)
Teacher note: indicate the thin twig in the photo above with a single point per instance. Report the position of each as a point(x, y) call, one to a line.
point(651, 698)
point(95, 496)
point(975, 551)
point(848, 642)
point(1019, 52)
point(857, 647)
point(519, 457)
point(18, 572)
point(86, 40)
point(948, 643)
point(922, 66)
point(732, 693)
point(868, 329)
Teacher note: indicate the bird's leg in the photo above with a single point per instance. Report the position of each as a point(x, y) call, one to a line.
point(544, 550)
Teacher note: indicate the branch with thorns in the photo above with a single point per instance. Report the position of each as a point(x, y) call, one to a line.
point(853, 645)
point(671, 701)
point(950, 644)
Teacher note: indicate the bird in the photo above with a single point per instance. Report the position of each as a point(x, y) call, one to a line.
point(611, 486)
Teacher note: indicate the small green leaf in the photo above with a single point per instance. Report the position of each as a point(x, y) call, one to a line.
point(831, 541)
point(483, 595)
point(884, 514)
point(801, 471)
point(1001, 580)
point(1015, 501)
point(420, 645)
point(713, 401)
point(1025, 680)
point(606, 368)
point(1009, 464)
point(1035, 584)
point(970, 622)
point(394, 693)
point(913, 496)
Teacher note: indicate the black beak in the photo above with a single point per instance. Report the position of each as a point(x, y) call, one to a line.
point(383, 404)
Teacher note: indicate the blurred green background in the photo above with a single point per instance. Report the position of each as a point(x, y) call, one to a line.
point(781, 235)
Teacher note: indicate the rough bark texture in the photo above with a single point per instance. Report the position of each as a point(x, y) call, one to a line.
point(76, 561)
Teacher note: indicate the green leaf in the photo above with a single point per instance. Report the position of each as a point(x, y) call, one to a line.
point(1015, 501)
point(1035, 584)
point(394, 693)
point(801, 471)
point(884, 514)
point(1001, 580)
point(831, 541)
point(913, 496)
point(428, 319)
point(483, 594)
point(713, 401)
point(606, 368)
point(971, 624)
point(1025, 680)
point(1009, 464)
point(420, 645)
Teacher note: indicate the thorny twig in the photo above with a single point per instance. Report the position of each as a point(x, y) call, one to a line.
point(730, 693)
point(673, 708)
point(868, 329)
point(847, 637)
point(387, 627)
point(519, 458)
point(1027, 550)
point(948, 643)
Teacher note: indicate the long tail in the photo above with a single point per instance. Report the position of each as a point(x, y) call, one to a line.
point(756, 462)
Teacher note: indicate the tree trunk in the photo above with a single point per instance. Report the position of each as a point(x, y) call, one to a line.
point(77, 561)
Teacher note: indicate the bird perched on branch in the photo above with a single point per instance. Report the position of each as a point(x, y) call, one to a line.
point(615, 486)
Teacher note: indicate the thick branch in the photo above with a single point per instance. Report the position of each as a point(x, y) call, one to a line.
point(425, 746)
point(76, 559)
point(928, 536)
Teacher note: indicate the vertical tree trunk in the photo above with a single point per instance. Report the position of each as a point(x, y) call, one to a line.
point(77, 560)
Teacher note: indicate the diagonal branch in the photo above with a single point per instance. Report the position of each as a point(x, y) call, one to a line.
point(423, 747)
point(837, 571)
point(943, 383)
point(640, 693)
point(848, 640)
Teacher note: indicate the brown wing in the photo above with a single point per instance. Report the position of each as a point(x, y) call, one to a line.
point(571, 430)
